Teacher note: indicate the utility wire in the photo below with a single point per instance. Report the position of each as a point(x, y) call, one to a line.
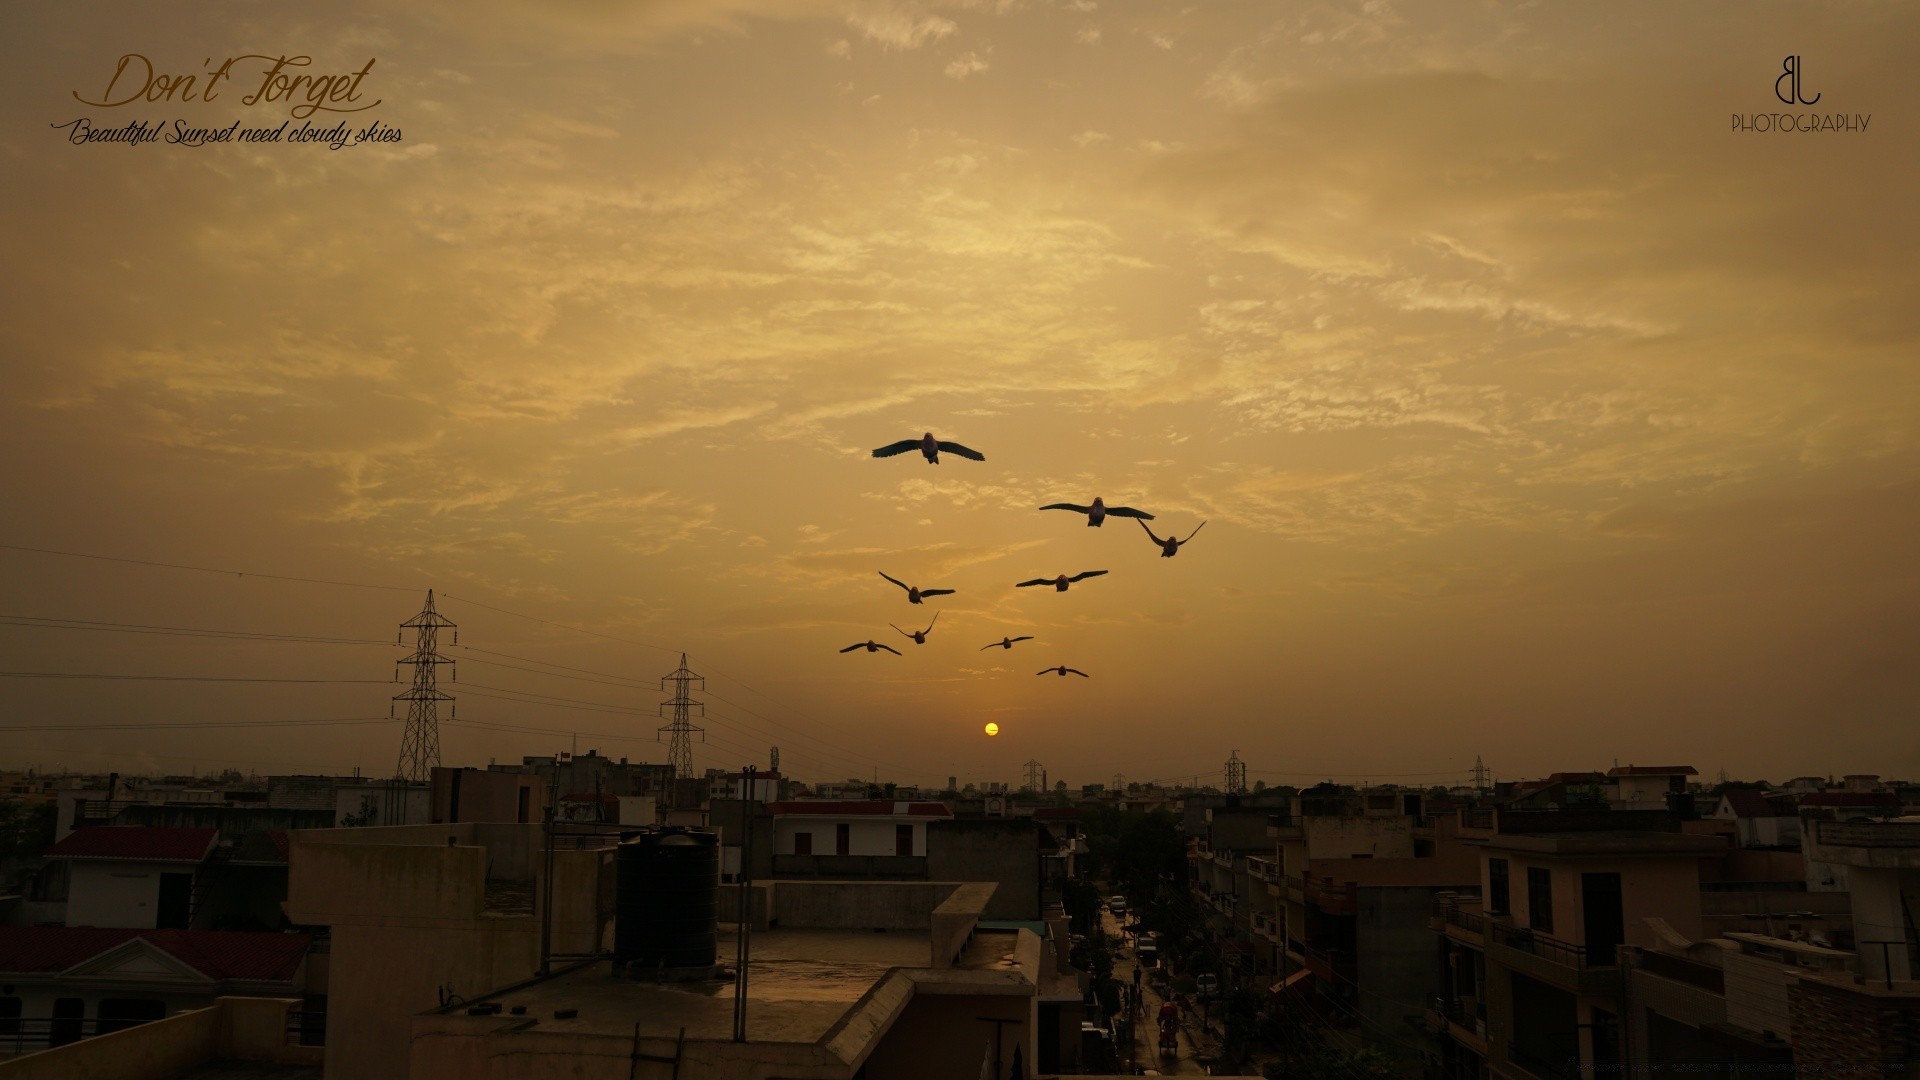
point(40, 622)
point(210, 569)
point(81, 675)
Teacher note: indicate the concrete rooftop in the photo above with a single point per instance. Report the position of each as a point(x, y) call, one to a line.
point(800, 983)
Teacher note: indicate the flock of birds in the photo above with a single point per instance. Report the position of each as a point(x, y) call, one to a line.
point(1096, 513)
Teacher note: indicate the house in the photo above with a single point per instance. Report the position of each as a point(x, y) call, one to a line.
point(59, 984)
point(1760, 820)
point(1530, 968)
point(1648, 787)
point(137, 877)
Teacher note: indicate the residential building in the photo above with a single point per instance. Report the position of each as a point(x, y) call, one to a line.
point(1532, 976)
point(486, 795)
point(59, 984)
point(135, 877)
point(426, 914)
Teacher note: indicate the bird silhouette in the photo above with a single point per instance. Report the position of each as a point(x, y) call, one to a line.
point(871, 646)
point(1099, 511)
point(919, 636)
point(929, 446)
point(1063, 670)
point(1060, 583)
point(1006, 642)
point(1171, 547)
point(914, 593)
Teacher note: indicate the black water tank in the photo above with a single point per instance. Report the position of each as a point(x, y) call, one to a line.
point(667, 905)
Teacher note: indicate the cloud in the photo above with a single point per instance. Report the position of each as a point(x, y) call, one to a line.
point(896, 29)
point(965, 65)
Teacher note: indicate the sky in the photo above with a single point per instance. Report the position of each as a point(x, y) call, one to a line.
point(1537, 412)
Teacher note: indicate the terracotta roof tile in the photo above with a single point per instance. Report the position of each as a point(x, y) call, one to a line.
point(217, 954)
point(140, 843)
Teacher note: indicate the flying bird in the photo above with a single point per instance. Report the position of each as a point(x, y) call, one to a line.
point(871, 646)
point(1060, 583)
point(919, 636)
point(929, 446)
point(1098, 512)
point(1171, 547)
point(914, 593)
point(1063, 669)
point(1006, 642)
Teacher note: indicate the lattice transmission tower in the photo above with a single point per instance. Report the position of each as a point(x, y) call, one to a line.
point(1236, 774)
point(1034, 774)
point(1479, 774)
point(420, 742)
point(682, 730)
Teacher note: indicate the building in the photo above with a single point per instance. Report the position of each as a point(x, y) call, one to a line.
point(423, 915)
point(135, 877)
point(60, 984)
point(486, 795)
point(876, 980)
point(1761, 820)
point(1531, 973)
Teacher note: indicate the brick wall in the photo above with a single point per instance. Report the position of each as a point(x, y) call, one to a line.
point(1841, 1033)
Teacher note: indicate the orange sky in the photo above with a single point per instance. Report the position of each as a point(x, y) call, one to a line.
point(1536, 413)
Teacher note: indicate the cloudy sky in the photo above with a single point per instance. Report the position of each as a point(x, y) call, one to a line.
point(1535, 412)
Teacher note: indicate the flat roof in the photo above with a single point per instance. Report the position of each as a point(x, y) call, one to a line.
point(801, 983)
point(1625, 842)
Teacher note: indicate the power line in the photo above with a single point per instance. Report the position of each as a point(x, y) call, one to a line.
point(561, 625)
point(662, 648)
point(170, 678)
point(208, 569)
point(185, 725)
point(40, 622)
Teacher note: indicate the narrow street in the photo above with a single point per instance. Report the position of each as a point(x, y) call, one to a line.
point(1147, 1028)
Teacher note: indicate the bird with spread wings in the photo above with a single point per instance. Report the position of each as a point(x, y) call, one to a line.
point(1060, 583)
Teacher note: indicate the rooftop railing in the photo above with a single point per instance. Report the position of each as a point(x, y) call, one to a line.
point(1545, 947)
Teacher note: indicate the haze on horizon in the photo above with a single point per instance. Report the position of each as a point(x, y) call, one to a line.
point(1535, 414)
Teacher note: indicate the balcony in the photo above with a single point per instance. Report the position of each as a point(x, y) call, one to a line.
point(1463, 1019)
point(1331, 963)
point(1462, 921)
point(1544, 1063)
point(1266, 926)
point(1264, 869)
point(1332, 897)
point(1558, 963)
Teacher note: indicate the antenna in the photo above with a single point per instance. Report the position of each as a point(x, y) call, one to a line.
point(420, 742)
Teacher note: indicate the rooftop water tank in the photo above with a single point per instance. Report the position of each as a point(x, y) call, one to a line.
point(667, 901)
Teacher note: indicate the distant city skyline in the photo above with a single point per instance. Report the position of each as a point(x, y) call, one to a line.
point(1537, 412)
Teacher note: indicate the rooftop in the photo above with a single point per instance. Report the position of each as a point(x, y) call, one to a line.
point(136, 843)
point(859, 807)
point(802, 985)
point(1608, 843)
point(217, 954)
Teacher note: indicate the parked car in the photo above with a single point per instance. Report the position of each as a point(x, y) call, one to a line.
point(1207, 985)
point(1117, 905)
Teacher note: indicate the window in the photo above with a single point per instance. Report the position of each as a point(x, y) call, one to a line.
point(903, 839)
point(1539, 899)
point(1497, 888)
point(803, 843)
point(843, 839)
point(69, 1018)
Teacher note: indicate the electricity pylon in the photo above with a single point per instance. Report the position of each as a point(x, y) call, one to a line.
point(681, 730)
point(420, 742)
